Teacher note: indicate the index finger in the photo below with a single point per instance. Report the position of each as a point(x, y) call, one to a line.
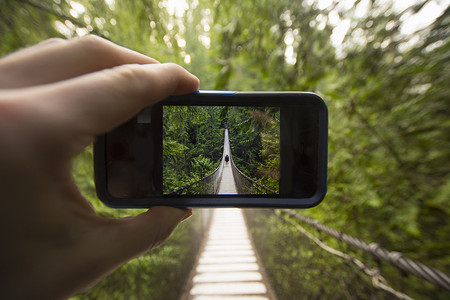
point(56, 59)
point(73, 112)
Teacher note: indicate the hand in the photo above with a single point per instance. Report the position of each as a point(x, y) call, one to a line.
point(55, 98)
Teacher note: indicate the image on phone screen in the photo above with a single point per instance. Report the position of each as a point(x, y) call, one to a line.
point(220, 150)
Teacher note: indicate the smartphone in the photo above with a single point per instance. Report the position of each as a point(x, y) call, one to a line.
point(218, 149)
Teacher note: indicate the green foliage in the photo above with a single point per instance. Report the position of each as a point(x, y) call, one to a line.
point(255, 142)
point(200, 166)
point(192, 145)
point(17, 23)
point(389, 137)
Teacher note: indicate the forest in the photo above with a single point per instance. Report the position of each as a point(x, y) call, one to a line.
point(193, 142)
point(382, 66)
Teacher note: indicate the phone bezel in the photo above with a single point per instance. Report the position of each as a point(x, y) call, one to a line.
point(226, 98)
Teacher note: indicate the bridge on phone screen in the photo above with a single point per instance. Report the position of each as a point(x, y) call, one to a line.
point(229, 267)
point(226, 179)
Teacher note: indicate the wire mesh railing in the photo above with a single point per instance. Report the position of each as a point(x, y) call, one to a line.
point(210, 183)
point(247, 185)
point(318, 262)
point(206, 185)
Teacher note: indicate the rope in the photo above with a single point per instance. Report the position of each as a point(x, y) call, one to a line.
point(394, 258)
point(378, 281)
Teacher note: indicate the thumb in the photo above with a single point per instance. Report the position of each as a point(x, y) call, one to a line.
point(120, 240)
point(135, 235)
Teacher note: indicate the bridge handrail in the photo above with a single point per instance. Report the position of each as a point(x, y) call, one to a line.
point(394, 258)
point(252, 180)
point(178, 191)
point(226, 151)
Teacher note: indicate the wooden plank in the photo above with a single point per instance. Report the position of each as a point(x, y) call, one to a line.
point(228, 267)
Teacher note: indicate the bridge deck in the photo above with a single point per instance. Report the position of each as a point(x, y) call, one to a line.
point(228, 267)
point(227, 185)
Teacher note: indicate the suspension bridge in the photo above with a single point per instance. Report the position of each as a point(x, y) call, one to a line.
point(225, 179)
point(228, 265)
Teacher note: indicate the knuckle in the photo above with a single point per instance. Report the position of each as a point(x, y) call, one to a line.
point(52, 41)
point(91, 39)
point(132, 77)
point(173, 67)
point(132, 72)
point(174, 74)
point(93, 44)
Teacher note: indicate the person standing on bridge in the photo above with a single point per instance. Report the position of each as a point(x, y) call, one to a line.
point(227, 159)
point(55, 98)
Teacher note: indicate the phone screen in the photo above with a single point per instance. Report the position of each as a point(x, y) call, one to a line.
point(187, 150)
point(221, 150)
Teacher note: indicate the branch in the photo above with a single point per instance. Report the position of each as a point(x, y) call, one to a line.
point(60, 15)
point(381, 139)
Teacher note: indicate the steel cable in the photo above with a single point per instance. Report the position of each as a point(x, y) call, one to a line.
point(394, 258)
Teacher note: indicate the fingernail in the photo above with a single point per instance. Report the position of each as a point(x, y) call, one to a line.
point(197, 82)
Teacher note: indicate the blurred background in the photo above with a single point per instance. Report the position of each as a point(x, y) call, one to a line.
point(383, 68)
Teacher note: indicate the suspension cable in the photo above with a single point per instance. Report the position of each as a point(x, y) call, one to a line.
point(394, 258)
point(378, 281)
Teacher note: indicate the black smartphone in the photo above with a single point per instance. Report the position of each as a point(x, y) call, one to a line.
point(218, 149)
